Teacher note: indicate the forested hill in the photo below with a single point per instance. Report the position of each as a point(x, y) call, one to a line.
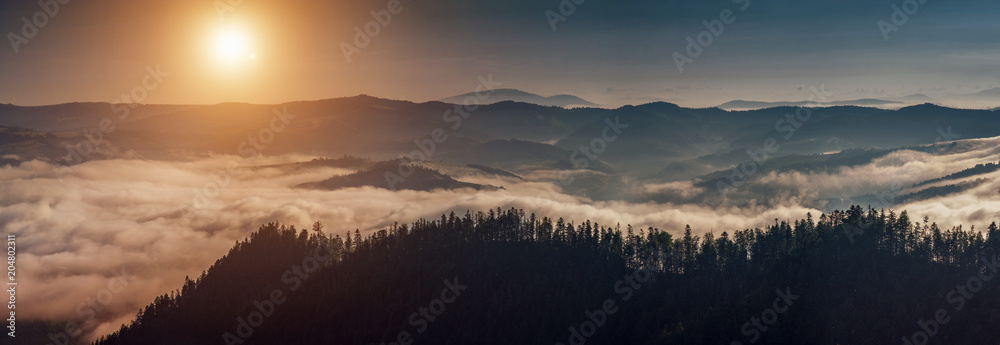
point(504, 277)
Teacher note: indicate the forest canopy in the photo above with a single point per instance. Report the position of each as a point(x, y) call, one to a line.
point(859, 276)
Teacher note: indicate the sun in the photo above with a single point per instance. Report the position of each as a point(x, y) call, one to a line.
point(231, 45)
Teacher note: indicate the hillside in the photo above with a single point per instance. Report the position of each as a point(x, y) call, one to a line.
point(395, 175)
point(505, 277)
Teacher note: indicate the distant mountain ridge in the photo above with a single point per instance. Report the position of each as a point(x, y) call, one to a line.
point(866, 102)
point(501, 95)
point(984, 99)
point(919, 97)
point(862, 102)
point(660, 140)
point(994, 92)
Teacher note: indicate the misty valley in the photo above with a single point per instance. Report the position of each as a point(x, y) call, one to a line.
point(567, 172)
point(750, 202)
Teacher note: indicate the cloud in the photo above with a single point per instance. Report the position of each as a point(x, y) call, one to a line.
point(138, 216)
point(896, 173)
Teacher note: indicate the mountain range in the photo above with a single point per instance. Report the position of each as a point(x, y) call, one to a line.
point(657, 140)
point(514, 95)
point(891, 102)
point(745, 105)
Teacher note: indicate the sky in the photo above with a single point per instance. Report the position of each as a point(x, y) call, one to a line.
point(610, 52)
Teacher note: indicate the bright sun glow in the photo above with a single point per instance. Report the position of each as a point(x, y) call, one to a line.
point(232, 45)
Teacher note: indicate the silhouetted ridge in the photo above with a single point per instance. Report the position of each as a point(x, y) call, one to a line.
point(530, 280)
point(979, 169)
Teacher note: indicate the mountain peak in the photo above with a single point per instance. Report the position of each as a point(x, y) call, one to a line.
point(989, 92)
point(659, 105)
point(924, 107)
point(863, 102)
point(515, 95)
point(513, 92)
point(915, 97)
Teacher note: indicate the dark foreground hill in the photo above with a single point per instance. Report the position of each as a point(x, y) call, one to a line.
point(504, 277)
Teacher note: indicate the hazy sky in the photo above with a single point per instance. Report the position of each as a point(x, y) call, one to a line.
point(611, 52)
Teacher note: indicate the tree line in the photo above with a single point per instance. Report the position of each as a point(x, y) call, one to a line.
point(864, 276)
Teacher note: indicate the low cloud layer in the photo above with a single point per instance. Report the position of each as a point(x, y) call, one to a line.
point(161, 221)
point(896, 174)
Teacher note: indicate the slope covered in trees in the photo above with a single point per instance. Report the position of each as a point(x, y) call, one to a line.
point(979, 169)
point(505, 277)
point(395, 175)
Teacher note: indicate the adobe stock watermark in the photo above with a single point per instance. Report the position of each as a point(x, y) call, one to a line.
point(599, 144)
point(755, 327)
point(791, 123)
point(372, 29)
point(900, 16)
point(702, 40)
point(945, 135)
point(625, 289)
point(427, 147)
point(87, 310)
point(122, 106)
point(30, 28)
point(249, 150)
point(12, 285)
point(423, 317)
point(958, 297)
point(586, 154)
point(293, 278)
point(566, 8)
